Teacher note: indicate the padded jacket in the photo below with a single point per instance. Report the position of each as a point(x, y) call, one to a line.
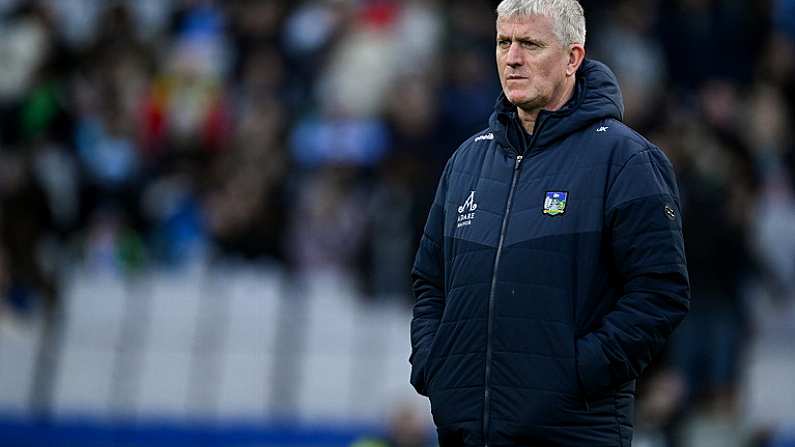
point(551, 270)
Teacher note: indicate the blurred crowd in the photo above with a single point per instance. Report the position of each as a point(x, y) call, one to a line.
point(147, 134)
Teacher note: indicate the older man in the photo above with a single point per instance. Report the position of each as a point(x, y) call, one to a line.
point(552, 265)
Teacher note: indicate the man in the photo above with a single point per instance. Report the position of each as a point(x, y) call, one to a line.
point(551, 268)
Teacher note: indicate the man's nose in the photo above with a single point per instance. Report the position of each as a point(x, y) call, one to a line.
point(514, 57)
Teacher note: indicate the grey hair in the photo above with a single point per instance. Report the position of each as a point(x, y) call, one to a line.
point(567, 15)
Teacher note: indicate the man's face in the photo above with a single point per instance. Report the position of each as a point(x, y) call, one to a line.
point(531, 61)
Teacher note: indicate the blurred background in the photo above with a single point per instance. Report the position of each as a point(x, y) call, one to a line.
point(209, 209)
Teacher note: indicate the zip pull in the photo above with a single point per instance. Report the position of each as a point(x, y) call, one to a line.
point(518, 161)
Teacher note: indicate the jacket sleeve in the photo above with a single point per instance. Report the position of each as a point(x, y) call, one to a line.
point(644, 230)
point(428, 286)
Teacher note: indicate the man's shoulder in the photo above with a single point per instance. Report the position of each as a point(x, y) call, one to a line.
point(622, 141)
point(478, 141)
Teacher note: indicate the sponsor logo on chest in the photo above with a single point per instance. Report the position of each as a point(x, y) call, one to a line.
point(466, 212)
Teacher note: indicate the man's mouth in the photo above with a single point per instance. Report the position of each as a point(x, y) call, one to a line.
point(514, 77)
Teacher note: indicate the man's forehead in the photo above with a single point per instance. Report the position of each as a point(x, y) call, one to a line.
point(525, 26)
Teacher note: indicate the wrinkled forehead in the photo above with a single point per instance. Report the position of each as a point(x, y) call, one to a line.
point(526, 26)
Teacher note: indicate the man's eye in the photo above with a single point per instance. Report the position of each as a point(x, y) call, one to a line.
point(504, 43)
point(529, 44)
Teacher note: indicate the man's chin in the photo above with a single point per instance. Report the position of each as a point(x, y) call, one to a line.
point(523, 102)
point(519, 97)
point(516, 100)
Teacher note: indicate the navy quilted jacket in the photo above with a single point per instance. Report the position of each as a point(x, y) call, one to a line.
point(550, 272)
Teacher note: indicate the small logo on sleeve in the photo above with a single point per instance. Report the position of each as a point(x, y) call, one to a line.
point(670, 213)
point(488, 136)
point(555, 202)
point(466, 212)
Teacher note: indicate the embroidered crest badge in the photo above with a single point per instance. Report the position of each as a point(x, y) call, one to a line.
point(555, 202)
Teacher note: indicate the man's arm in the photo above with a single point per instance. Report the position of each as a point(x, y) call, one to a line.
point(645, 233)
point(428, 285)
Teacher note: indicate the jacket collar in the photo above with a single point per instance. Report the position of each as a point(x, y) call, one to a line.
point(597, 96)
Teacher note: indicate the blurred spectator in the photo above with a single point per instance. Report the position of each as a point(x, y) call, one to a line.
point(392, 228)
point(24, 47)
point(319, 140)
point(362, 64)
point(25, 220)
point(627, 44)
point(404, 181)
point(5, 279)
point(774, 226)
point(688, 27)
point(783, 16)
point(328, 222)
point(708, 353)
point(245, 201)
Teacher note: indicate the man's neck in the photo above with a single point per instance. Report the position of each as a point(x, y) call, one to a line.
point(528, 117)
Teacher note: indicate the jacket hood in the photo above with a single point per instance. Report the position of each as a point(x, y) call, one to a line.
point(597, 96)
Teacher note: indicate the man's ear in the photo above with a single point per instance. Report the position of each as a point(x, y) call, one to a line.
point(576, 56)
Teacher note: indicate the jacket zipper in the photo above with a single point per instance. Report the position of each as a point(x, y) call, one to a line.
point(491, 299)
point(541, 118)
point(540, 123)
